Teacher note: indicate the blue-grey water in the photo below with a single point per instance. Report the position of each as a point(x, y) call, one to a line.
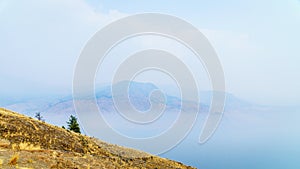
point(268, 142)
point(255, 139)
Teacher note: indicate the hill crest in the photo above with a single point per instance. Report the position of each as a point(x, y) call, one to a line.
point(29, 143)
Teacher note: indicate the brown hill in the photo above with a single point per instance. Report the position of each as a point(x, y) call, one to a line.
point(28, 143)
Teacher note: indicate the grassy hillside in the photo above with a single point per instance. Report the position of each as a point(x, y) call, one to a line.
point(28, 143)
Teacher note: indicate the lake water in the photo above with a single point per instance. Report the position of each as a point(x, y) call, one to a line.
point(246, 139)
point(269, 142)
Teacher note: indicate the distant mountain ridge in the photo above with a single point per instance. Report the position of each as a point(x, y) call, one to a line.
point(138, 94)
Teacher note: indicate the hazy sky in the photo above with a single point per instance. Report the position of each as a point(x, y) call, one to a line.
point(257, 42)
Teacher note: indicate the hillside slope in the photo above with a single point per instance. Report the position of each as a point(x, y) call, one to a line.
point(28, 143)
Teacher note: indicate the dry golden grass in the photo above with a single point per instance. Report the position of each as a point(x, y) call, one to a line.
point(4, 143)
point(41, 145)
point(28, 146)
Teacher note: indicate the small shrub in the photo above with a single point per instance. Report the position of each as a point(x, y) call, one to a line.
point(30, 161)
point(14, 159)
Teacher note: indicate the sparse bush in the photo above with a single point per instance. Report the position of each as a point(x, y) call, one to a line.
point(39, 116)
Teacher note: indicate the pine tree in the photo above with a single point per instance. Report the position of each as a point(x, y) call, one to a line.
point(73, 124)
